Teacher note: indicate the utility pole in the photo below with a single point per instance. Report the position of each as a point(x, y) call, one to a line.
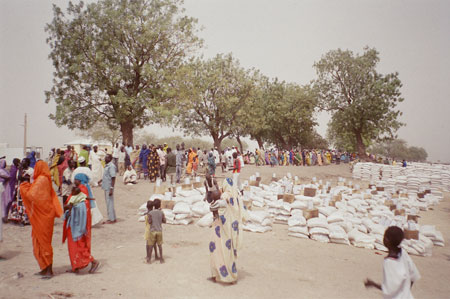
point(25, 136)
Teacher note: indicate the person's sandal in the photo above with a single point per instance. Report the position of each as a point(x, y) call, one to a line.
point(94, 267)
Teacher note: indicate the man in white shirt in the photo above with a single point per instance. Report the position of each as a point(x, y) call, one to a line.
point(96, 165)
point(162, 163)
point(216, 156)
point(115, 155)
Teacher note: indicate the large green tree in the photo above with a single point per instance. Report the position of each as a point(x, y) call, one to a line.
point(399, 149)
point(114, 61)
point(362, 101)
point(283, 114)
point(211, 95)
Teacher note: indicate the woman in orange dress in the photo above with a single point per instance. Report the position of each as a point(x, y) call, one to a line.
point(42, 206)
point(78, 232)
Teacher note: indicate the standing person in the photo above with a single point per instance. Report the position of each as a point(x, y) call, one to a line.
point(216, 156)
point(32, 157)
point(115, 155)
point(162, 163)
point(190, 162)
point(42, 206)
point(108, 182)
point(399, 271)
point(77, 227)
point(121, 160)
point(134, 158)
point(96, 166)
point(211, 164)
point(6, 198)
point(179, 163)
point(195, 161)
point(226, 236)
point(13, 171)
point(67, 183)
point(82, 169)
point(143, 161)
point(171, 164)
point(54, 167)
point(153, 164)
point(156, 218)
point(85, 154)
point(128, 149)
point(223, 160)
point(236, 171)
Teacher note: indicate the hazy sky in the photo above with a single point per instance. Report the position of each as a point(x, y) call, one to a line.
point(281, 38)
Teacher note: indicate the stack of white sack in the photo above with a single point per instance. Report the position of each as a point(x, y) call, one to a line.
point(200, 208)
point(279, 210)
point(422, 247)
point(189, 196)
point(182, 214)
point(206, 221)
point(258, 222)
point(318, 229)
point(359, 239)
point(434, 235)
point(297, 226)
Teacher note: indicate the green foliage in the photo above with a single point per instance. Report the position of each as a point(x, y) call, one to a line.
point(211, 95)
point(282, 114)
point(101, 132)
point(114, 61)
point(399, 149)
point(361, 100)
point(144, 137)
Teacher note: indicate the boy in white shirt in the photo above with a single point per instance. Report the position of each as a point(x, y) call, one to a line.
point(399, 271)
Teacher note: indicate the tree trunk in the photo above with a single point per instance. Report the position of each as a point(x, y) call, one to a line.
point(360, 145)
point(217, 142)
point(127, 133)
point(260, 142)
point(238, 139)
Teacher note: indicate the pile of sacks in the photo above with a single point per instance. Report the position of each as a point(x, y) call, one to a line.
point(258, 222)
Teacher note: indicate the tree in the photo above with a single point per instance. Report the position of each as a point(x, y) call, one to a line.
point(288, 114)
point(114, 61)
point(100, 132)
point(361, 100)
point(399, 149)
point(211, 95)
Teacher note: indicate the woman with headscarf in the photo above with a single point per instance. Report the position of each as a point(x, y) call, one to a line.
point(143, 160)
point(6, 198)
point(77, 228)
point(54, 167)
point(32, 157)
point(226, 236)
point(12, 184)
point(190, 162)
point(153, 164)
point(211, 164)
point(319, 158)
point(42, 207)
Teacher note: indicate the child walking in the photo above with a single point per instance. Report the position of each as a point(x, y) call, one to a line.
point(399, 271)
point(155, 218)
point(147, 233)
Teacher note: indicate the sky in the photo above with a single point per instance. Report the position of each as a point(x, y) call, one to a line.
point(280, 38)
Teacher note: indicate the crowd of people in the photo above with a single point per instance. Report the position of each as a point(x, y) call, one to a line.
point(30, 188)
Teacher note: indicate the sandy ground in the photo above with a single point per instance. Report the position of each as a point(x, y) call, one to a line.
point(270, 265)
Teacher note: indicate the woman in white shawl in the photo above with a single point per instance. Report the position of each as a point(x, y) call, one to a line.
point(130, 176)
point(226, 236)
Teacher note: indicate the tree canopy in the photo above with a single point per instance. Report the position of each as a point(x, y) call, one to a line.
point(362, 101)
point(114, 61)
point(399, 149)
point(210, 97)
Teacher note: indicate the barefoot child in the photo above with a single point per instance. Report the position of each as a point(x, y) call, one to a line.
point(155, 219)
point(399, 271)
point(147, 233)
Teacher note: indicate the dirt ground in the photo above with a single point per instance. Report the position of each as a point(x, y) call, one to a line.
point(270, 265)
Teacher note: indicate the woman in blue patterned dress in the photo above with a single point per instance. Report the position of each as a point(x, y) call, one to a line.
point(226, 236)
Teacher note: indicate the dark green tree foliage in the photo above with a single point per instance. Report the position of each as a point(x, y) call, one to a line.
point(362, 101)
point(114, 61)
point(398, 149)
point(211, 95)
point(288, 115)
